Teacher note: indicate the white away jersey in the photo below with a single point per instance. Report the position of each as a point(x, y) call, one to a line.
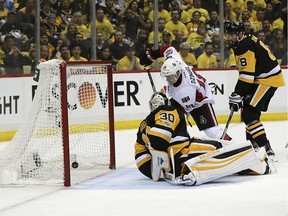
point(193, 91)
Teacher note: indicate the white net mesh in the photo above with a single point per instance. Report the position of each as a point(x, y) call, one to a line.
point(35, 154)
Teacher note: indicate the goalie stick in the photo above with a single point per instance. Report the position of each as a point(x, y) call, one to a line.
point(170, 177)
point(188, 179)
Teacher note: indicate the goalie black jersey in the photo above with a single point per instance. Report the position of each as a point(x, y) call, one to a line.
point(256, 64)
point(162, 128)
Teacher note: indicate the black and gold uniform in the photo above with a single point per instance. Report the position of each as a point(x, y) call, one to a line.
point(259, 77)
point(256, 65)
point(163, 129)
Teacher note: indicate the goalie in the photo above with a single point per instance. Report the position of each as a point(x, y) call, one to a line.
point(164, 149)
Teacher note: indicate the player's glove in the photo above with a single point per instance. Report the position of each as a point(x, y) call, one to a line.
point(149, 56)
point(235, 101)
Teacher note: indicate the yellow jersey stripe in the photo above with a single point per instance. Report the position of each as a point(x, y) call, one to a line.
point(254, 126)
point(226, 162)
point(258, 134)
point(143, 159)
point(261, 90)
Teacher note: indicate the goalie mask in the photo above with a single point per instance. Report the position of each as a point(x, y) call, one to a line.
point(171, 70)
point(158, 99)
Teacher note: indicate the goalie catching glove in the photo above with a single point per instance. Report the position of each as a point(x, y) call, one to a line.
point(235, 101)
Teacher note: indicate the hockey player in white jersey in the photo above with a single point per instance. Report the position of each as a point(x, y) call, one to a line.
point(189, 90)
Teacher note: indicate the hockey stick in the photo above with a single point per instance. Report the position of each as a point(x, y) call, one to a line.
point(170, 177)
point(227, 124)
point(151, 79)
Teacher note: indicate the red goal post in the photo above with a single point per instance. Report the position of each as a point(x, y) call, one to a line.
point(70, 126)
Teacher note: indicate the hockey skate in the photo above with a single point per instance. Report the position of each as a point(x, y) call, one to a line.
point(270, 152)
point(265, 167)
point(266, 159)
point(255, 146)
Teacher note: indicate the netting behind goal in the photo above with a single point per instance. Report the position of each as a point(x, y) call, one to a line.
point(70, 124)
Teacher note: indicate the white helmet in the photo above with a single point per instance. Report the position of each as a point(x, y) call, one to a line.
point(157, 99)
point(171, 67)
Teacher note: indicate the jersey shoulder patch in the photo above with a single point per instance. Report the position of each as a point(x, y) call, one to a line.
point(245, 45)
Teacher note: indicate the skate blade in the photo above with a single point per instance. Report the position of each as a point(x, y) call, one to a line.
point(273, 159)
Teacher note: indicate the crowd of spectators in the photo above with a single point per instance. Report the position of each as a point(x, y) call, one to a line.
point(124, 29)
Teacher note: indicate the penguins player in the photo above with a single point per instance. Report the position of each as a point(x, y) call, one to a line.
point(259, 77)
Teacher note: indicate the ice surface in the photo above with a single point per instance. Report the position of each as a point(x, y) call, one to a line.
point(126, 192)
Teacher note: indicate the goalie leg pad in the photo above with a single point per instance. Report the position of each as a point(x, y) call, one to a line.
point(225, 161)
point(160, 161)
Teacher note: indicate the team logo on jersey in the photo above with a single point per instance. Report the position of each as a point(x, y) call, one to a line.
point(185, 99)
point(203, 120)
point(167, 124)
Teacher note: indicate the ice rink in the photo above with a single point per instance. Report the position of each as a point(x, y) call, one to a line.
point(125, 192)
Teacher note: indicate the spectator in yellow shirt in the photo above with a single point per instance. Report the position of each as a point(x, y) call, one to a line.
point(261, 4)
point(279, 23)
point(197, 7)
point(161, 27)
point(129, 61)
point(207, 59)
point(197, 39)
point(76, 53)
point(3, 12)
point(77, 20)
point(194, 23)
point(237, 6)
point(230, 61)
point(229, 14)
point(102, 25)
point(251, 10)
point(258, 22)
point(245, 17)
point(184, 15)
point(44, 40)
point(175, 25)
point(186, 55)
point(166, 38)
point(65, 52)
point(162, 13)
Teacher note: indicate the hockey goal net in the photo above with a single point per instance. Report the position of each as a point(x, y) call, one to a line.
point(70, 126)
